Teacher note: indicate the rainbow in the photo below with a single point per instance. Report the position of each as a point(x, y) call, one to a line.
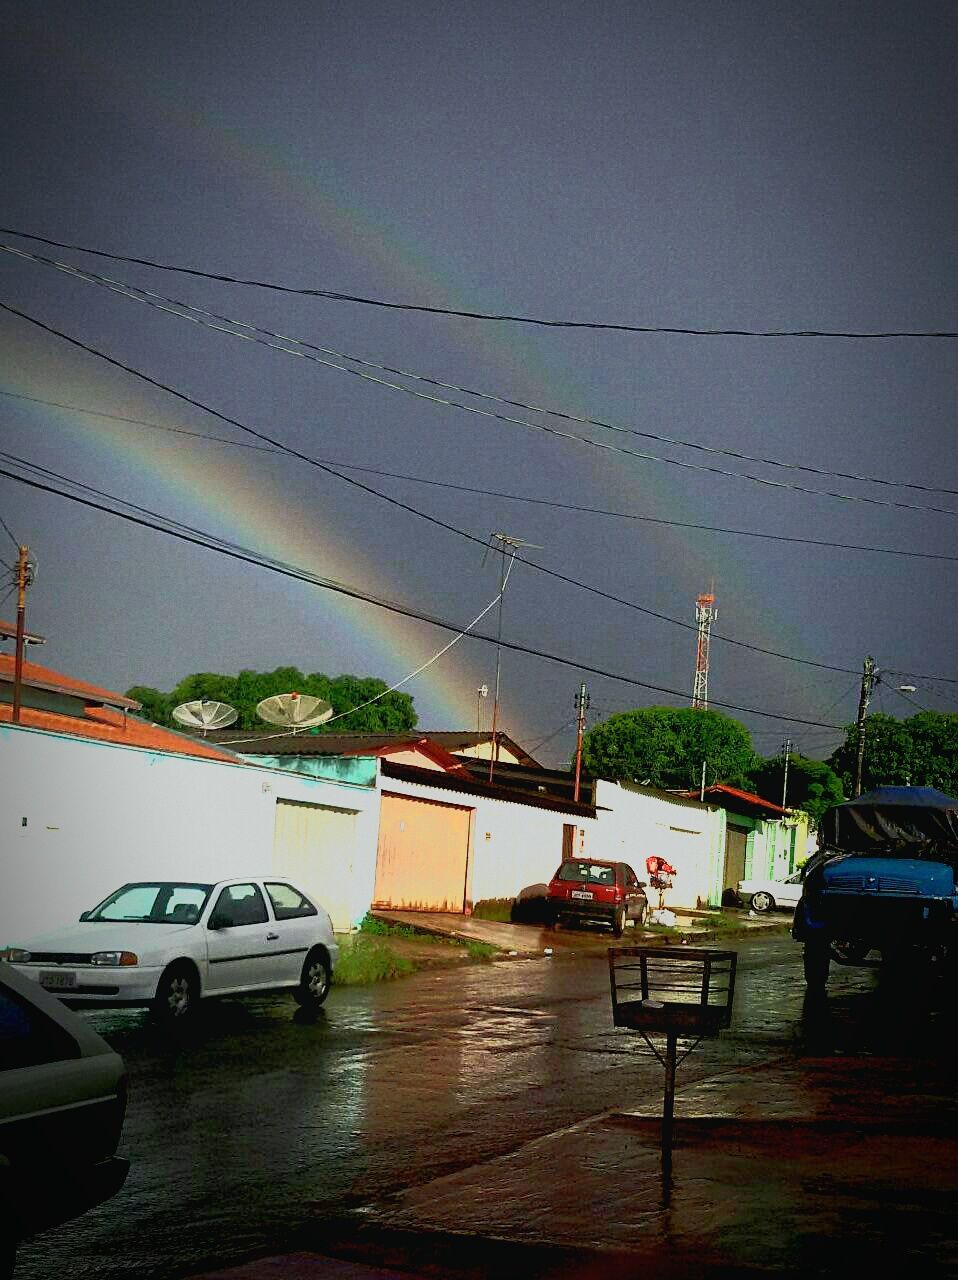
point(270, 524)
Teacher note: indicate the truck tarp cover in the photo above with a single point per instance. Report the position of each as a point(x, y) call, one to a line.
point(894, 820)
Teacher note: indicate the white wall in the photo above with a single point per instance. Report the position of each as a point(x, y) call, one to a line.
point(80, 818)
point(636, 823)
point(513, 845)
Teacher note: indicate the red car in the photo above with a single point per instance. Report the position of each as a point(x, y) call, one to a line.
point(587, 889)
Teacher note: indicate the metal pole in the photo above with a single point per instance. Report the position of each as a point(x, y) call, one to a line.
point(22, 582)
point(495, 701)
point(668, 1103)
point(580, 730)
point(702, 787)
point(788, 747)
point(869, 676)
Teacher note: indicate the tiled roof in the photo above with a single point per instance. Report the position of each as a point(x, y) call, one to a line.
point(105, 724)
point(722, 791)
point(56, 682)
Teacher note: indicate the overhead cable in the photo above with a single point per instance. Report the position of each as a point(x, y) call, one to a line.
point(404, 506)
point(356, 593)
point(320, 355)
point(494, 493)
point(335, 295)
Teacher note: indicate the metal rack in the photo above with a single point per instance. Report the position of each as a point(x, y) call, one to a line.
point(683, 993)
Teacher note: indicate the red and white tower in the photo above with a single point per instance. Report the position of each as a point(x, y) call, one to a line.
point(705, 614)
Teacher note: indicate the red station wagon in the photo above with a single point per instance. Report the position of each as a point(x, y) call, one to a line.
point(586, 889)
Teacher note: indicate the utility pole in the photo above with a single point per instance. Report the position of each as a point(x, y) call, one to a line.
point(24, 579)
point(582, 703)
point(504, 540)
point(869, 679)
point(785, 752)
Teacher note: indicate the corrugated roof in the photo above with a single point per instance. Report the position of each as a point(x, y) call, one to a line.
point(366, 743)
point(56, 682)
point(8, 631)
point(470, 786)
point(105, 724)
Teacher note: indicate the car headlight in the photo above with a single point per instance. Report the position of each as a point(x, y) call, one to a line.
point(15, 955)
point(114, 958)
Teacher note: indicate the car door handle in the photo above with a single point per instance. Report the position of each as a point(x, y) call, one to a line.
point(272, 937)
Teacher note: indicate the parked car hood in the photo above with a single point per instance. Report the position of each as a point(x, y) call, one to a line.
point(101, 935)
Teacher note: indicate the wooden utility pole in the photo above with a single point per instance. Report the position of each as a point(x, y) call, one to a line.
point(24, 578)
point(786, 752)
point(581, 702)
point(869, 677)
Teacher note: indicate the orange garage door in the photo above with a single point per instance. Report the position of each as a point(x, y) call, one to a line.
point(423, 854)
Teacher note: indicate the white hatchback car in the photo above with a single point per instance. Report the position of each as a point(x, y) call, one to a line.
point(766, 895)
point(168, 944)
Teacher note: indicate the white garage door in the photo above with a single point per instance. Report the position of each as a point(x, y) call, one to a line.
point(314, 847)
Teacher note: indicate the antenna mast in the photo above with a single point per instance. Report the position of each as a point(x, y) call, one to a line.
point(705, 614)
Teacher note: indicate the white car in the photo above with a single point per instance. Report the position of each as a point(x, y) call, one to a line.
point(62, 1103)
point(168, 944)
point(766, 895)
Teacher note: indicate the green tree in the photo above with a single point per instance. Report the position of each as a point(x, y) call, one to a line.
point(393, 712)
point(154, 706)
point(919, 752)
point(813, 786)
point(665, 747)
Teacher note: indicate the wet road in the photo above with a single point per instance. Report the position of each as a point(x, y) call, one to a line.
point(259, 1120)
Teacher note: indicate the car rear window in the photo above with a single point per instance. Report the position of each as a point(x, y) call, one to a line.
point(594, 872)
point(288, 903)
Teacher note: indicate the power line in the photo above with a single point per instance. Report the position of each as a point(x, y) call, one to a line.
point(339, 296)
point(553, 573)
point(356, 593)
point(495, 493)
point(319, 355)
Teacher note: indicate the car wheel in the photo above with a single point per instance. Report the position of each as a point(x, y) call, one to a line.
point(177, 994)
point(618, 922)
point(315, 981)
point(816, 960)
point(762, 901)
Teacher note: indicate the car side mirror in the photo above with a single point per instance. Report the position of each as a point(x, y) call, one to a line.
point(217, 921)
point(85, 915)
point(643, 884)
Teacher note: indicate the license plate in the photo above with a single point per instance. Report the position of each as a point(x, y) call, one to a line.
point(57, 980)
point(582, 893)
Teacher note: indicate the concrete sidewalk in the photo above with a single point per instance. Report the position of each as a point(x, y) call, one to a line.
point(533, 940)
point(799, 1166)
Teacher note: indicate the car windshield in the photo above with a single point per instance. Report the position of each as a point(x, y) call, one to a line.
point(594, 872)
point(159, 902)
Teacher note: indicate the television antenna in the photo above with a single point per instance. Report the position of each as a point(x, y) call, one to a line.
point(294, 710)
point(204, 715)
point(504, 540)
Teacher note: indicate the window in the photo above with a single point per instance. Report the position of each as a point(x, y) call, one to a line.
point(240, 904)
point(155, 903)
point(289, 903)
point(28, 1038)
point(596, 872)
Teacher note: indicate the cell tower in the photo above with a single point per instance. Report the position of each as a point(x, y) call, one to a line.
point(705, 614)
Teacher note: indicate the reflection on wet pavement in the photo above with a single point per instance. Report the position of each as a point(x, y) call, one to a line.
point(258, 1120)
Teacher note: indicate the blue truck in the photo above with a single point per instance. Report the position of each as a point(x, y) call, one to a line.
point(881, 889)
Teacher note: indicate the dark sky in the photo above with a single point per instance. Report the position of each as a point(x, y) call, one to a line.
point(753, 165)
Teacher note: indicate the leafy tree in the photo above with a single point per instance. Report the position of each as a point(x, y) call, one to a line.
point(393, 712)
point(665, 747)
point(921, 751)
point(813, 785)
point(155, 706)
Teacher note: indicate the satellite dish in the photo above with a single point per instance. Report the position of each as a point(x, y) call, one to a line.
point(205, 715)
point(294, 710)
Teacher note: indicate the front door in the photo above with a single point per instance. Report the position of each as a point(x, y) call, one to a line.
point(239, 948)
point(735, 844)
